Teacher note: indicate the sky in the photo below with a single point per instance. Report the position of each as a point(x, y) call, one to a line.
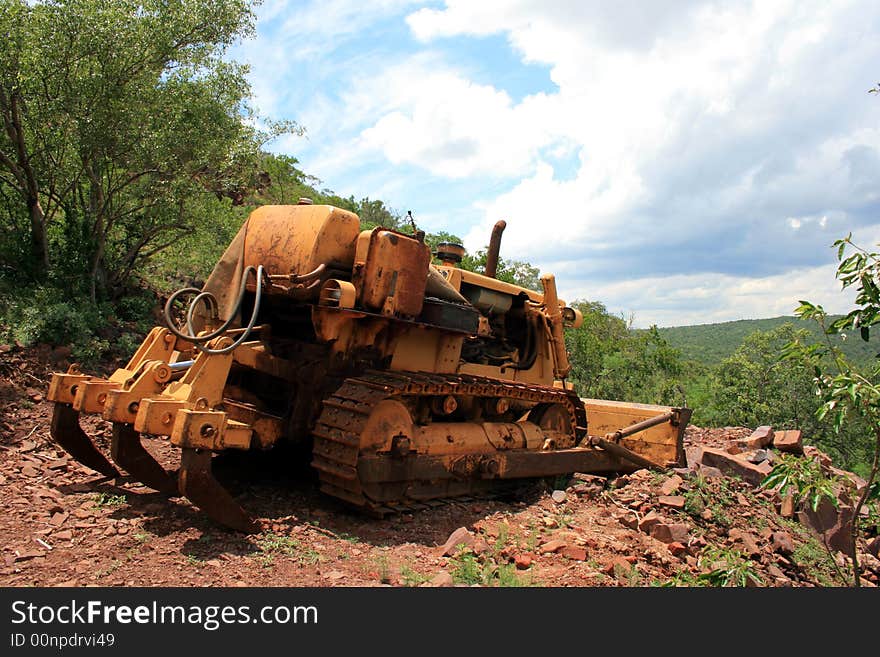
point(681, 161)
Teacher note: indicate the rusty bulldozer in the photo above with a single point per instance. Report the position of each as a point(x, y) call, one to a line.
point(405, 379)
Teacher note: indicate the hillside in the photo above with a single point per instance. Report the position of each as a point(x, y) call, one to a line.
point(710, 343)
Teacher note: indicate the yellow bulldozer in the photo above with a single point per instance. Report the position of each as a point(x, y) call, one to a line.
point(406, 378)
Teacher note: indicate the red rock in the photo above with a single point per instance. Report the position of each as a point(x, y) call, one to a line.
point(782, 542)
point(817, 454)
point(747, 541)
point(648, 522)
point(617, 564)
point(58, 519)
point(789, 441)
point(461, 536)
point(672, 501)
point(677, 548)
point(628, 519)
point(761, 437)
point(874, 546)
point(671, 485)
point(65, 535)
point(442, 579)
point(733, 448)
point(735, 466)
point(786, 508)
point(575, 553)
point(522, 561)
point(551, 546)
point(30, 471)
point(670, 533)
point(24, 555)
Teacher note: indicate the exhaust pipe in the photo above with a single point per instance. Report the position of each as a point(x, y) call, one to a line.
point(494, 248)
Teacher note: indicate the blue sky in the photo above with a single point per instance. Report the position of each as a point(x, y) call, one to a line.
point(683, 161)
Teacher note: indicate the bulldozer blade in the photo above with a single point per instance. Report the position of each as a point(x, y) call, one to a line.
point(66, 431)
point(197, 483)
point(129, 454)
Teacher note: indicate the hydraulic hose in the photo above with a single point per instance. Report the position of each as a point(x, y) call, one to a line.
point(211, 301)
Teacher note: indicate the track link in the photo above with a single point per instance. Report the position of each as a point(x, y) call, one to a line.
point(336, 436)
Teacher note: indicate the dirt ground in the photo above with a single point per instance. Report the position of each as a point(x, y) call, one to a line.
point(63, 525)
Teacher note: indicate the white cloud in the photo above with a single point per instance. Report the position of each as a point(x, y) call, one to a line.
point(719, 147)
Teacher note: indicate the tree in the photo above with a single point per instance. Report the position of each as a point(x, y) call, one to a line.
point(117, 117)
point(610, 360)
point(844, 389)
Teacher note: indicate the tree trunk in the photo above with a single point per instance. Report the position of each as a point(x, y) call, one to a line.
point(39, 238)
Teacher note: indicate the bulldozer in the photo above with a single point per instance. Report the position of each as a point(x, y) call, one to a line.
point(404, 378)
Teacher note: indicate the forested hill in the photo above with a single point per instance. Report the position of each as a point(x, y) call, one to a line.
point(710, 343)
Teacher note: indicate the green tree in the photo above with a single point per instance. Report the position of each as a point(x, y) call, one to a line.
point(754, 386)
point(118, 117)
point(844, 389)
point(610, 360)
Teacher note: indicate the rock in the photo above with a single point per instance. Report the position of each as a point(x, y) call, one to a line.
point(671, 485)
point(736, 466)
point(786, 508)
point(749, 543)
point(58, 519)
point(551, 546)
point(758, 456)
point(789, 441)
point(672, 501)
point(628, 519)
point(461, 536)
point(24, 555)
point(733, 448)
point(30, 471)
point(573, 552)
point(834, 525)
point(782, 542)
point(874, 546)
point(677, 548)
point(817, 454)
point(522, 561)
point(334, 575)
point(64, 535)
point(619, 567)
point(558, 496)
point(648, 522)
point(775, 572)
point(442, 579)
point(670, 533)
point(708, 472)
point(760, 437)
point(549, 523)
point(480, 546)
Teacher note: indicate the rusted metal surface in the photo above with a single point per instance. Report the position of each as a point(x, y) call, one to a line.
point(494, 248)
point(65, 430)
point(391, 272)
point(553, 310)
point(627, 454)
point(129, 454)
point(348, 429)
point(197, 483)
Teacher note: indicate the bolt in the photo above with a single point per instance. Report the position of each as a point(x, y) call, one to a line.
point(102, 397)
point(207, 430)
point(133, 407)
point(167, 418)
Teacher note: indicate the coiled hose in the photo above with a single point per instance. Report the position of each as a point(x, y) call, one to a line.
point(211, 302)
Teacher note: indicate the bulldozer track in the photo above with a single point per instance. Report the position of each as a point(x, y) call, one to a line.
point(336, 435)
